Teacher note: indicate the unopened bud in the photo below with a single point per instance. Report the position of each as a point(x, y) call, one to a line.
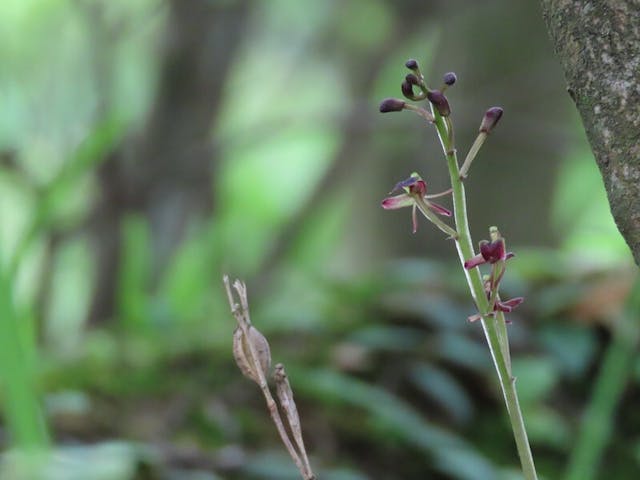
point(391, 105)
point(490, 119)
point(412, 79)
point(439, 102)
point(242, 353)
point(407, 90)
point(412, 64)
point(450, 78)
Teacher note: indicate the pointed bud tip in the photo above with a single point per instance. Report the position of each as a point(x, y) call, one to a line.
point(450, 78)
point(411, 64)
point(391, 105)
point(490, 119)
point(439, 102)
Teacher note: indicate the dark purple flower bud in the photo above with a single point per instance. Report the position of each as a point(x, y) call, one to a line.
point(391, 105)
point(440, 102)
point(412, 79)
point(490, 119)
point(450, 78)
point(412, 64)
point(407, 90)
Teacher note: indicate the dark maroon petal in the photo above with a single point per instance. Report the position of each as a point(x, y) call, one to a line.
point(474, 262)
point(492, 251)
point(501, 307)
point(513, 302)
point(439, 209)
point(508, 305)
point(419, 188)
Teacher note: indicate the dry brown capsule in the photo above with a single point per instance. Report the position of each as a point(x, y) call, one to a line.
point(242, 353)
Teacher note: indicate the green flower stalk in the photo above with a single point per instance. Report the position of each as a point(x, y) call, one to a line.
point(485, 292)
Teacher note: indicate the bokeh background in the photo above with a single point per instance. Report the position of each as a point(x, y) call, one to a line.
point(147, 147)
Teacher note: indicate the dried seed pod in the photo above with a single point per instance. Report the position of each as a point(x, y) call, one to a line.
point(242, 353)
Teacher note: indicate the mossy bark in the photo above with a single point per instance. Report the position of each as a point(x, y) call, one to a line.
point(598, 44)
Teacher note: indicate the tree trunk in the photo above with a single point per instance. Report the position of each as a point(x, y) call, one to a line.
point(598, 44)
point(166, 172)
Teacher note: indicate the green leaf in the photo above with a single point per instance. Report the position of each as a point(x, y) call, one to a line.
point(444, 389)
point(451, 453)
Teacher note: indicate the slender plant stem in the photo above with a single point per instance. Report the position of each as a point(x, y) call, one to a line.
point(241, 313)
point(612, 378)
point(473, 151)
point(493, 325)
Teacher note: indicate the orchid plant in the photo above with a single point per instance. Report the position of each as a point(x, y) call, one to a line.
point(490, 308)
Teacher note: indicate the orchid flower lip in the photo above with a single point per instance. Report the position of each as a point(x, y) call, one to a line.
point(493, 251)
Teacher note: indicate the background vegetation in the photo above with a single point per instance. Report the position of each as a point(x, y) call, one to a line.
point(147, 147)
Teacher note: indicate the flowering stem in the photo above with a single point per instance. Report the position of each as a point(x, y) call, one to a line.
point(493, 325)
point(473, 151)
point(424, 208)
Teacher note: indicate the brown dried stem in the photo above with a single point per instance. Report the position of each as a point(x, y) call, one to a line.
point(253, 368)
point(285, 396)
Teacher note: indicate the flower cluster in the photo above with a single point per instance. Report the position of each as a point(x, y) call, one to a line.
point(484, 290)
point(414, 189)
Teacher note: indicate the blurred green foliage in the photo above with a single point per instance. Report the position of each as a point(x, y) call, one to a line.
point(370, 321)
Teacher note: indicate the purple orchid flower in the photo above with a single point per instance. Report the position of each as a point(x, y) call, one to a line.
point(490, 251)
point(415, 195)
